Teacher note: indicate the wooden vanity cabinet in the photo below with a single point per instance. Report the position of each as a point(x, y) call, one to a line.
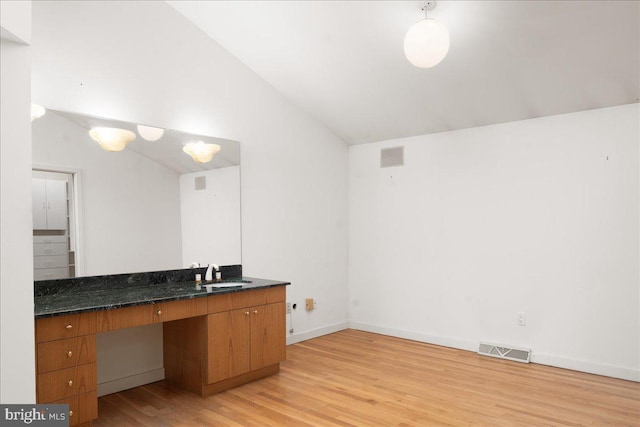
point(66, 364)
point(210, 344)
point(243, 338)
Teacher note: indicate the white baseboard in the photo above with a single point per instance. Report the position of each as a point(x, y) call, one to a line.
point(132, 381)
point(416, 336)
point(543, 359)
point(315, 333)
point(586, 366)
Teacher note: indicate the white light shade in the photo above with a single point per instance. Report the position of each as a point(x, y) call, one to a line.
point(37, 111)
point(112, 139)
point(426, 43)
point(201, 152)
point(150, 133)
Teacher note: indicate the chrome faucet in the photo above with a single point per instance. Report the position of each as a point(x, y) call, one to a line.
point(209, 275)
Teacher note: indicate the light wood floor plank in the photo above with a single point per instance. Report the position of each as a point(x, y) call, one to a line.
point(354, 378)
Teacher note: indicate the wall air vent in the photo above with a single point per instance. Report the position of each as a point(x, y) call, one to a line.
point(517, 354)
point(200, 182)
point(391, 157)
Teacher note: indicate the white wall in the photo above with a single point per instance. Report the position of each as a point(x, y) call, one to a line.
point(161, 70)
point(130, 205)
point(538, 216)
point(217, 206)
point(15, 21)
point(17, 368)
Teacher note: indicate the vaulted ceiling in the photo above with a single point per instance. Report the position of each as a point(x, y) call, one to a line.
point(343, 61)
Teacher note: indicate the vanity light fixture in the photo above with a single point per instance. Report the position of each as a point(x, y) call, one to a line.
point(112, 139)
point(201, 152)
point(37, 111)
point(427, 41)
point(150, 133)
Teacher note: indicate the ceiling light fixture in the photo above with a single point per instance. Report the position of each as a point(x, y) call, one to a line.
point(427, 41)
point(201, 152)
point(112, 139)
point(37, 111)
point(150, 133)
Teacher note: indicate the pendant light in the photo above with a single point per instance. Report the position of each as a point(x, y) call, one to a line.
point(427, 41)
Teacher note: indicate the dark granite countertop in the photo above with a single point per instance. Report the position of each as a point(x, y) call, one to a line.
point(70, 296)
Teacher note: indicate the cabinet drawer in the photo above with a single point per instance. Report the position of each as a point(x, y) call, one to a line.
point(61, 354)
point(127, 317)
point(235, 300)
point(276, 294)
point(50, 249)
point(49, 239)
point(50, 273)
point(51, 261)
point(174, 310)
point(61, 327)
point(82, 408)
point(66, 383)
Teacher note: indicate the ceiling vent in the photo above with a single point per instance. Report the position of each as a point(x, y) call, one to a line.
point(517, 354)
point(391, 157)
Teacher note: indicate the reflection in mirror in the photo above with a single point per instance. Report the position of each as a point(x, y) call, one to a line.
point(147, 207)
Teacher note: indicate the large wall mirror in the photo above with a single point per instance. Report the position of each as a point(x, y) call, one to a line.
point(148, 207)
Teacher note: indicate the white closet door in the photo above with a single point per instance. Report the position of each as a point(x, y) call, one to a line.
point(56, 205)
point(38, 189)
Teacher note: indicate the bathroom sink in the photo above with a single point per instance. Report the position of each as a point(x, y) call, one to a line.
point(229, 284)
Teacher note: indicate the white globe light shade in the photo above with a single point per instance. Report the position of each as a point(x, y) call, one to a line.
point(150, 133)
point(426, 43)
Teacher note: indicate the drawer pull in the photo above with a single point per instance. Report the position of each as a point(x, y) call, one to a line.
point(70, 383)
point(159, 312)
point(69, 326)
point(246, 313)
point(69, 354)
point(255, 311)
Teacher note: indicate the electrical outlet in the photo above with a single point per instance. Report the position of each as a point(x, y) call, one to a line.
point(522, 318)
point(288, 308)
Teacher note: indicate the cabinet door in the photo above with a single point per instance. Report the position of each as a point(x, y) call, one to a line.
point(56, 205)
point(228, 344)
point(39, 195)
point(268, 335)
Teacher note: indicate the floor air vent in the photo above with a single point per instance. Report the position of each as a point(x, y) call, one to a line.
point(516, 354)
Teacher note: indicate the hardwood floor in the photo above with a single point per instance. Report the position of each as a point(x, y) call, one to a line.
point(354, 378)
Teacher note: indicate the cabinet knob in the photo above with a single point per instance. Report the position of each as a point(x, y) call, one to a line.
point(255, 311)
point(71, 413)
point(159, 312)
point(69, 326)
point(69, 354)
point(70, 383)
point(246, 313)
